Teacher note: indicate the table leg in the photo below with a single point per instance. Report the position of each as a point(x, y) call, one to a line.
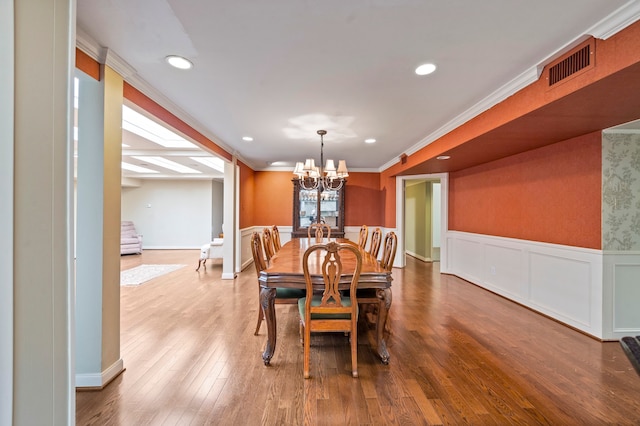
point(385, 304)
point(267, 301)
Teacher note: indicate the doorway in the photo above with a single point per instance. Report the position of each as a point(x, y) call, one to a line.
point(421, 217)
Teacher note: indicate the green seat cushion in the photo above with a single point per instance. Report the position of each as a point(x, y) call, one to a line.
point(315, 301)
point(290, 293)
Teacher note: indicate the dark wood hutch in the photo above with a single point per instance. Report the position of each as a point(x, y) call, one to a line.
point(306, 204)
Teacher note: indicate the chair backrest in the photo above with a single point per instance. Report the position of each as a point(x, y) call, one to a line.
point(376, 240)
point(258, 254)
point(389, 250)
point(363, 236)
point(319, 231)
point(330, 258)
point(267, 243)
point(275, 233)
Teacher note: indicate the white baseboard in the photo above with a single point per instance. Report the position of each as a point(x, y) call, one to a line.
point(100, 380)
point(417, 256)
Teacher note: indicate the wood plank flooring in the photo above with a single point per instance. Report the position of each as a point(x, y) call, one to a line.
point(459, 355)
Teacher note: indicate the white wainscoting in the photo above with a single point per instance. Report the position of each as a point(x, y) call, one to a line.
point(622, 295)
point(245, 241)
point(563, 282)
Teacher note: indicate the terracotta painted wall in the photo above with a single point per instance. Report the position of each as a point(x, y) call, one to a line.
point(364, 202)
point(87, 64)
point(272, 199)
point(614, 54)
point(551, 194)
point(247, 189)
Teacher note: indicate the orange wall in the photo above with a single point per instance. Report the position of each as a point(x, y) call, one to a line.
point(87, 64)
point(550, 194)
point(271, 196)
point(247, 189)
point(363, 200)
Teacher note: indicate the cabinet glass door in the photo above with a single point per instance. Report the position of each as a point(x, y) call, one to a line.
point(311, 206)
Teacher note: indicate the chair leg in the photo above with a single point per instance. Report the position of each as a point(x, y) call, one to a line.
point(199, 262)
point(354, 347)
point(260, 316)
point(307, 351)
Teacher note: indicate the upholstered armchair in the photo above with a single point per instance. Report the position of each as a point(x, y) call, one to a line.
point(130, 240)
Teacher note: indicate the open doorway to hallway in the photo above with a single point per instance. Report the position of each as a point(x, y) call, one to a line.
point(421, 218)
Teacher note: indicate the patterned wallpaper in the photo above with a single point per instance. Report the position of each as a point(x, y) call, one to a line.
point(621, 191)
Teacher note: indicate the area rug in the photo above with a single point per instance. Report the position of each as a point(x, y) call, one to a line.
point(144, 273)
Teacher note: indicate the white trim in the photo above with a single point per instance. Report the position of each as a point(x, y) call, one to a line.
point(444, 216)
point(230, 221)
point(93, 380)
point(621, 290)
point(562, 282)
point(7, 154)
point(607, 27)
point(616, 21)
point(105, 56)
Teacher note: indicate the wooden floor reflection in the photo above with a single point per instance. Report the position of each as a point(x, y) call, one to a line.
point(459, 355)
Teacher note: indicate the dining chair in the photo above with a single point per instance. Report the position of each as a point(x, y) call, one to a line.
point(376, 240)
point(288, 296)
point(362, 236)
point(367, 298)
point(319, 231)
point(267, 243)
point(330, 311)
point(389, 250)
point(275, 233)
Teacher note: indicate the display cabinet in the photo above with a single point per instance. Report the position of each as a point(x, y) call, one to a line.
point(307, 204)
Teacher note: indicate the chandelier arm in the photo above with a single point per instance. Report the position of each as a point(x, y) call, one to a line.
point(320, 182)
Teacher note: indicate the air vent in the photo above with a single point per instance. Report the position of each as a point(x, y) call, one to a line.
point(575, 62)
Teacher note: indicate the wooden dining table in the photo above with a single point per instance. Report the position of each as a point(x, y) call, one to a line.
point(285, 271)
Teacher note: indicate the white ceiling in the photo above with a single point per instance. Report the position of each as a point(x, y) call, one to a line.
point(280, 70)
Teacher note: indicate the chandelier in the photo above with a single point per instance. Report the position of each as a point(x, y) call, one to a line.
point(313, 177)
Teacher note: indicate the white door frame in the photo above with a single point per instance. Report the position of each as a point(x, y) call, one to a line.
point(444, 209)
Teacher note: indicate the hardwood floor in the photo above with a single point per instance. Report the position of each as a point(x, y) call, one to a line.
point(459, 355)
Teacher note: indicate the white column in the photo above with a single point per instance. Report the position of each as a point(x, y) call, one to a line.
point(43, 392)
point(6, 212)
point(98, 230)
point(230, 221)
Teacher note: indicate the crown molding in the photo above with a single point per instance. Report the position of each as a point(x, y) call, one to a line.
point(616, 21)
point(88, 45)
point(607, 27)
point(108, 57)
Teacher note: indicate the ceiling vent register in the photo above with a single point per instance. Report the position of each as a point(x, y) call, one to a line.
point(573, 63)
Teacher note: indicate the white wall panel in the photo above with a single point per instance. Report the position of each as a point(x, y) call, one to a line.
point(562, 282)
point(622, 294)
point(626, 297)
point(503, 269)
point(561, 286)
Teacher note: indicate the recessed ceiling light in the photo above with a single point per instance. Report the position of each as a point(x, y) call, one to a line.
point(179, 62)
point(370, 140)
point(247, 138)
point(443, 157)
point(425, 69)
